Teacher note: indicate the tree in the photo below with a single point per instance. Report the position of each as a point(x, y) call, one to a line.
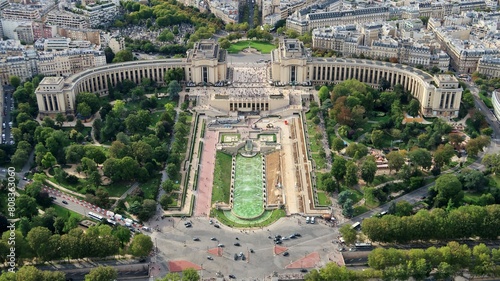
point(351, 175)
point(476, 145)
point(403, 208)
point(173, 89)
point(48, 160)
point(15, 81)
point(123, 56)
point(165, 201)
point(395, 160)
point(148, 209)
point(447, 188)
point(31, 273)
point(102, 273)
point(110, 55)
point(356, 149)
point(368, 169)
point(414, 107)
point(168, 186)
point(190, 274)
point(37, 239)
point(421, 157)
point(141, 245)
point(443, 155)
point(348, 233)
point(377, 138)
point(92, 100)
point(473, 180)
point(337, 144)
point(347, 208)
point(343, 196)
point(224, 44)
point(338, 168)
point(26, 206)
point(492, 162)
point(60, 119)
point(171, 276)
point(122, 233)
point(323, 93)
point(84, 110)
point(172, 171)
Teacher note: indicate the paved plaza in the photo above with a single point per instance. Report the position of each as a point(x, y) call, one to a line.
point(313, 250)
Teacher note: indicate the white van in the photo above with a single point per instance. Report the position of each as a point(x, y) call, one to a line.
point(308, 219)
point(145, 228)
point(313, 220)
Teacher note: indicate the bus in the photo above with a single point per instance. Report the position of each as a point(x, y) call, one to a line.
point(363, 245)
point(95, 216)
point(356, 225)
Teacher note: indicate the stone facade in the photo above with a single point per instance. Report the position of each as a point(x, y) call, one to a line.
point(291, 63)
point(438, 95)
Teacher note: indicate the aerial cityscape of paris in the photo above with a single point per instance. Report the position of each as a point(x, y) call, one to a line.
point(249, 140)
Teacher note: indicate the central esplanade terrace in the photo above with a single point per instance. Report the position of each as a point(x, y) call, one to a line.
point(291, 63)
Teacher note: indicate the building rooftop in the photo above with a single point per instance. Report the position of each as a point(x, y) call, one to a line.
point(205, 49)
point(52, 81)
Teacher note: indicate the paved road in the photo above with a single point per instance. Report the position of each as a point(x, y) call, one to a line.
point(175, 242)
point(6, 118)
point(490, 117)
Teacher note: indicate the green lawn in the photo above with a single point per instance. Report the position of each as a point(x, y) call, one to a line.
point(222, 178)
point(117, 189)
point(273, 217)
point(360, 210)
point(356, 195)
point(320, 161)
point(155, 117)
point(151, 187)
point(263, 47)
point(323, 199)
point(486, 100)
point(114, 189)
point(65, 213)
point(471, 198)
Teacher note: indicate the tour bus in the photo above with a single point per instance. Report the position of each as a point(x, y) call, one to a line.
point(363, 245)
point(95, 216)
point(356, 225)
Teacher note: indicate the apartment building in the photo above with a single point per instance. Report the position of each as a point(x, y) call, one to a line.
point(465, 49)
point(41, 30)
point(116, 44)
point(308, 19)
point(101, 14)
point(69, 62)
point(489, 66)
point(24, 33)
point(63, 63)
point(20, 12)
point(227, 11)
point(375, 40)
point(67, 20)
point(19, 66)
point(303, 24)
